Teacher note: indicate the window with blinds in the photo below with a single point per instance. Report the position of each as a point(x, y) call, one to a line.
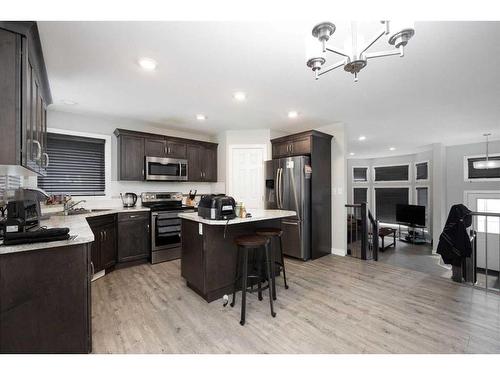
point(421, 171)
point(360, 174)
point(392, 173)
point(474, 174)
point(360, 195)
point(76, 165)
point(386, 200)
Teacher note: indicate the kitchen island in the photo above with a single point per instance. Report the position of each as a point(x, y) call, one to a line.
point(208, 257)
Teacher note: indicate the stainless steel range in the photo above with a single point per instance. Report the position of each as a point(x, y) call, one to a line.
point(165, 224)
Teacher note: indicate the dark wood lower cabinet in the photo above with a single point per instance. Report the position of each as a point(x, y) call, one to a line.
point(133, 236)
point(104, 247)
point(45, 301)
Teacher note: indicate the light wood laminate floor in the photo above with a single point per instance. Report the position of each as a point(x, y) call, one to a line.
point(334, 305)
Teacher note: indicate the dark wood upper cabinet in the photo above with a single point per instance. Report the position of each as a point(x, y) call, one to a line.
point(134, 146)
point(131, 158)
point(209, 164)
point(176, 149)
point(24, 97)
point(156, 147)
point(293, 145)
point(133, 236)
point(194, 162)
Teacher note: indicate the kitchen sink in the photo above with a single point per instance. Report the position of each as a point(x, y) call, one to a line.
point(82, 211)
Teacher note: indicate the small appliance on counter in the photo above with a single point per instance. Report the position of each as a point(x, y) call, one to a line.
point(190, 200)
point(21, 216)
point(128, 199)
point(217, 207)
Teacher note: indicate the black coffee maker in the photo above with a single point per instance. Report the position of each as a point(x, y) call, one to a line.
point(21, 216)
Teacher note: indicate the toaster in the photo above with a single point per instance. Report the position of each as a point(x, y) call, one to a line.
point(216, 207)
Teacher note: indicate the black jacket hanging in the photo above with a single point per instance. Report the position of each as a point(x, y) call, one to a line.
point(454, 242)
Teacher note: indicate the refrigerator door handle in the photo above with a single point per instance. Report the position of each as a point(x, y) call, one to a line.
point(277, 187)
point(295, 196)
point(281, 187)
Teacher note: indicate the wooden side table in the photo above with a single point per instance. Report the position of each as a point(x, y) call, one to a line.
point(385, 231)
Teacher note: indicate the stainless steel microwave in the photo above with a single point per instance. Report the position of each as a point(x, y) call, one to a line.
point(166, 169)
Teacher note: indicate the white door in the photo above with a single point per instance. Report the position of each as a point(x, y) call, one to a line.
point(246, 174)
point(486, 202)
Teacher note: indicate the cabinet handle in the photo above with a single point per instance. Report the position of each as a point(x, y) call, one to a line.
point(100, 235)
point(47, 160)
point(92, 270)
point(39, 151)
point(133, 216)
point(105, 235)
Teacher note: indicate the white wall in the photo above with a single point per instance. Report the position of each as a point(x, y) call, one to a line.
point(104, 126)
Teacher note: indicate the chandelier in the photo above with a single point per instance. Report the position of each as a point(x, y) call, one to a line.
point(355, 54)
point(486, 164)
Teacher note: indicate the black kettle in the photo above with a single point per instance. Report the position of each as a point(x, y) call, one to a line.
point(129, 199)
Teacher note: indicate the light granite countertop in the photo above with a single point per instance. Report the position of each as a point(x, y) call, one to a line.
point(257, 215)
point(77, 225)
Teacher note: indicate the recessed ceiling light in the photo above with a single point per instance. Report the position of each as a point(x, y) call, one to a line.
point(351, 153)
point(147, 63)
point(293, 114)
point(201, 117)
point(362, 138)
point(392, 148)
point(239, 96)
point(68, 102)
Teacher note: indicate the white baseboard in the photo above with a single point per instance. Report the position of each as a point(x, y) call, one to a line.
point(341, 252)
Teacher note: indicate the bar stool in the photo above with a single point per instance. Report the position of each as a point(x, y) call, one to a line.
point(275, 233)
point(247, 243)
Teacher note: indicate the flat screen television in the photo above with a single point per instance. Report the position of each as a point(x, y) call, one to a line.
point(410, 214)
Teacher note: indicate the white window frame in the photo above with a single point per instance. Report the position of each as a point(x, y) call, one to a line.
point(367, 174)
point(429, 202)
point(374, 200)
point(415, 171)
point(466, 169)
point(392, 165)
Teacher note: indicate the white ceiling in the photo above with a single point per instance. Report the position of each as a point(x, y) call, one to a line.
point(446, 89)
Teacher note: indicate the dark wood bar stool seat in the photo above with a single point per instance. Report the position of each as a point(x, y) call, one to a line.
point(257, 247)
point(275, 233)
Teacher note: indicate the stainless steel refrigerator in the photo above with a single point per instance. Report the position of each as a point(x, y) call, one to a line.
point(288, 187)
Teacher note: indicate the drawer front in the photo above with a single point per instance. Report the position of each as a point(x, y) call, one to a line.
point(122, 216)
point(101, 220)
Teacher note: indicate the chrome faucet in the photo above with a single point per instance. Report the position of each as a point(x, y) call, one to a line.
point(68, 206)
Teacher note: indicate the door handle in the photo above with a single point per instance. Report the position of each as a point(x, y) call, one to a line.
point(277, 188)
point(46, 159)
point(39, 151)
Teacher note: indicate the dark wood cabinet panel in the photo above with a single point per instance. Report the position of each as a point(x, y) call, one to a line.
point(300, 146)
point(194, 162)
point(133, 236)
point(108, 251)
point(156, 147)
point(176, 149)
point(104, 247)
point(131, 158)
point(46, 301)
point(280, 149)
point(24, 96)
point(209, 163)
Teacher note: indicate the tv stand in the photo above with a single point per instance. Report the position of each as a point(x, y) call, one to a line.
point(412, 235)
